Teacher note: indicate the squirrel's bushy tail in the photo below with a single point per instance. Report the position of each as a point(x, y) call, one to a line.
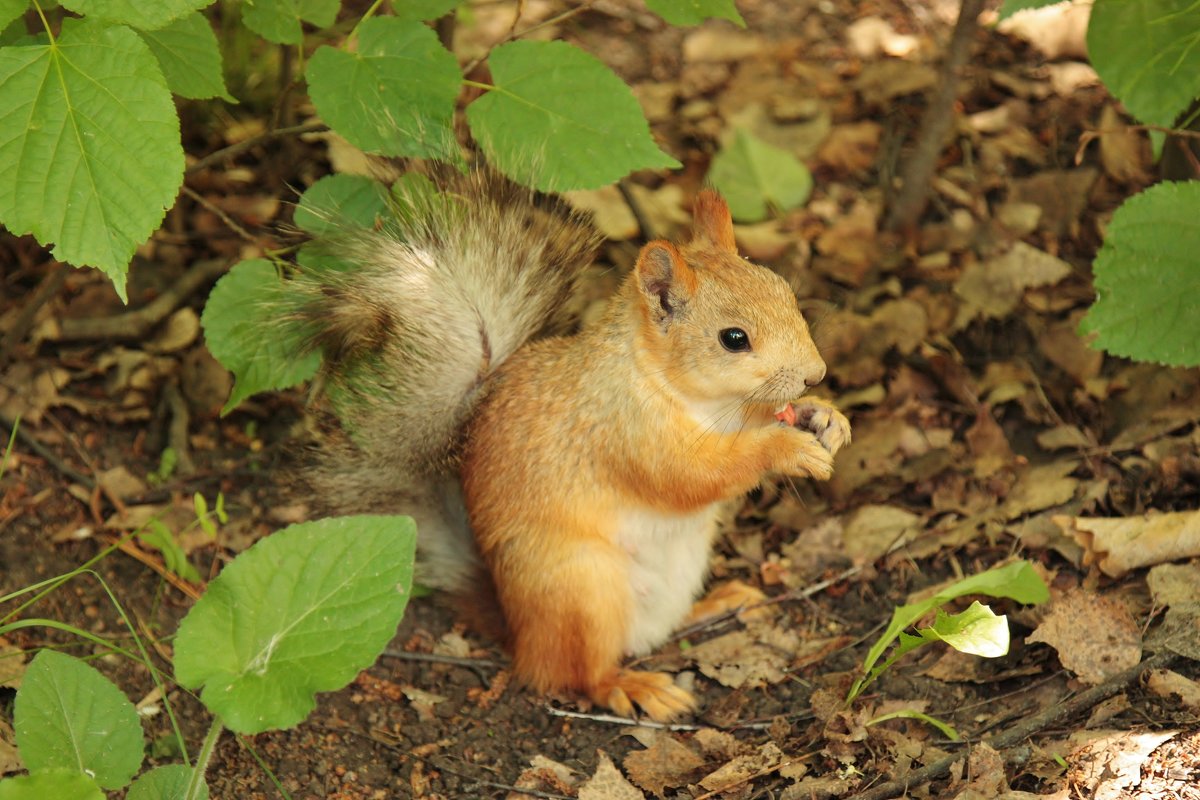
point(412, 318)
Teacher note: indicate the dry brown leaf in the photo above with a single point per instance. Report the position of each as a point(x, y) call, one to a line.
point(1064, 347)
point(1170, 685)
point(1062, 437)
point(1109, 766)
point(1119, 544)
point(746, 658)
point(1042, 487)
point(721, 44)
point(851, 148)
point(544, 775)
point(27, 391)
point(743, 768)
point(10, 759)
point(12, 666)
point(1062, 195)
point(1125, 154)
point(665, 764)
point(881, 81)
point(607, 783)
point(873, 531)
point(801, 139)
point(1174, 584)
point(824, 787)
point(990, 449)
point(993, 288)
point(609, 211)
point(1095, 635)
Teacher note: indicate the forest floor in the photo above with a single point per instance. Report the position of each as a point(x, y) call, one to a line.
point(985, 431)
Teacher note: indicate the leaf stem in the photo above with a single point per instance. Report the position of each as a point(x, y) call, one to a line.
point(45, 22)
point(202, 758)
point(370, 12)
point(487, 87)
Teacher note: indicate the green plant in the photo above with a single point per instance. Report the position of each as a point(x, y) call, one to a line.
point(301, 612)
point(977, 630)
point(1147, 277)
point(93, 140)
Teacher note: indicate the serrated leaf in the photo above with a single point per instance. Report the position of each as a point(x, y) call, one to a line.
point(1010, 7)
point(11, 10)
point(1148, 55)
point(337, 201)
point(89, 145)
point(1147, 278)
point(169, 782)
point(693, 12)
point(280, 20)
point(395, 95)
point(69, 716)
point(977, 631)
point(187, 51)
point(558, 119)
point(423, 9)
point(58, 784)
point(137, 13)
point(300, 612)
point(754, 176)
point(244, 332)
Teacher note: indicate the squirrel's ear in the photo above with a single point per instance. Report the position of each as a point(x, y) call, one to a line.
point(666, 280)
point(711, 221)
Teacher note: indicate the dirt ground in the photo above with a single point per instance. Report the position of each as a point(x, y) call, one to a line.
point(985, 430)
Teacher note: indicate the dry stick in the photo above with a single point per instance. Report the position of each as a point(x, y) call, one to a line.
point(1018, 733)
point(219, 212)
point(238, 148)
point(136, 324)
point(914, 191)
point(24, 321)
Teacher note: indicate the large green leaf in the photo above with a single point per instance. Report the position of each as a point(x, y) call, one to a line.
point(302, 611)
point(89, 144)
point(187, 51)
point(244, 330)
point(138, 13)
point(693, 12)
point(338, 202)
point(1147, 278)
point(1147, 52)
point(754, 176)
point(10, 10)
point(395, 95)
point(168, 782)
point(280, 20)
point(69, 716)
point(558, 119)
point(57, 784)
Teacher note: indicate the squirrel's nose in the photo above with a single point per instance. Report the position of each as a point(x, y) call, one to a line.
point(815, 374)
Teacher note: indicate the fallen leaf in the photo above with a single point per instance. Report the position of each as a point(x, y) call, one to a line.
point(1095, 635)
point(1124, 153)
point(1058, 30)
point(742, 768)
point(1109, 767)
point(609, 211)
point(1119, 544)
point(994, 287)
point(1174, 584)
point(746, 658)
point(876, 530)
point(665, 764)
point(607, 783)
point(1170, 685)
point(869, 37)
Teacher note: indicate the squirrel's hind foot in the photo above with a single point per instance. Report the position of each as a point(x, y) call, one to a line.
point(655, 693)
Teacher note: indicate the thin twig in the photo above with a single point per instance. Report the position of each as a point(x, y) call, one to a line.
point(136, 324)
point(213, 208)
point(238, 148)
point(514, 35)
point(48, 287)
point(612, 719)
point(1019, 733)
point(939, 115)
point(435, 658)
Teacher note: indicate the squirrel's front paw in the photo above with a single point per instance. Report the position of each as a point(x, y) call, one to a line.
point(653, 692)
point(821, 419)
point(807, 456)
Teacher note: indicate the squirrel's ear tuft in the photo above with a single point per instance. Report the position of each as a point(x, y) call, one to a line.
point(666, 280)
point(711, 221)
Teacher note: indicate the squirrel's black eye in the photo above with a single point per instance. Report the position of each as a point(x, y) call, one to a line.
point(735, 340)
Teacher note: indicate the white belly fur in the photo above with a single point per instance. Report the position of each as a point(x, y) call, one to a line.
point(669, 556)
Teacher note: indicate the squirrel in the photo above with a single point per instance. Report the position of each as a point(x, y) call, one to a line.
point(574, 480)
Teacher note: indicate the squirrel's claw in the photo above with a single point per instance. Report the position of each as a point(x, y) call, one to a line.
point(653, 692)
point(822, 420)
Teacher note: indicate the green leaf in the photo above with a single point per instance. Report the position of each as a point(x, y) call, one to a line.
point(137, 13)
point(1010, 7)
point(693, 12)
point(280, 20)
point(423, 9)
point(69, 716)
point(337, 201)
point(187, 51)
point(58, 784)
point(245, 332)
point(395, 95)
point(160, 537)
point(1148, 54)
point(558, 119)
point(302, 611)
point(89, 145)
point(908, 713)
point(977, 631)
point(753, 176)
point(11, 10)
point(1147, 278)
point(169, 782)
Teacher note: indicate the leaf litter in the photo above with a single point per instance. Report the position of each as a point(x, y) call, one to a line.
point(983, 425)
